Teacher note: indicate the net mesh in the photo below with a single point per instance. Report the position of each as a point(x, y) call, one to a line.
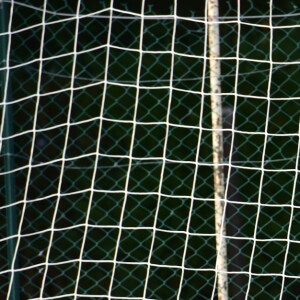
point(106, 173)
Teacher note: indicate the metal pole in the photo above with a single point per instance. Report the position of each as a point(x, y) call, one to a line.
point(217, 144)
point(7, 149)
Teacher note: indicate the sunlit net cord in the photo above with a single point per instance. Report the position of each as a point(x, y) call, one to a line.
point(117, 253)
point(199, 18)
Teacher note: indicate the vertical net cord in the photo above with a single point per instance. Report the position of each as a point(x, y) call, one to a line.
point(217, 145)
point(202, 93)
point(164, 151)
point(5, 50)
point(288, 240)
point(6, 128)
point(52, 229)
point(86, 224)
point(31, 150)
point(130, 151)
point(268, 98)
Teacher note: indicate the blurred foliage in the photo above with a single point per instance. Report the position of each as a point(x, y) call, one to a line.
point(94, 143)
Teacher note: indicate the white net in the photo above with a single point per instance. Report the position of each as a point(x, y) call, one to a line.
point(108, 169)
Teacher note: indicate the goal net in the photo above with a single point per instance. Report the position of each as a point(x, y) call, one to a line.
point(149, 149)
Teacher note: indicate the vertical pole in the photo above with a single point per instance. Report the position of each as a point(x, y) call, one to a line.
point(217, 144)
point(8, 149)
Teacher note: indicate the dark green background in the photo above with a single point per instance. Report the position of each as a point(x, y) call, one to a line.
point(39, 98)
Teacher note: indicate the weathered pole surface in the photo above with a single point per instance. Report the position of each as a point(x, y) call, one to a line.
point(217, 144)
